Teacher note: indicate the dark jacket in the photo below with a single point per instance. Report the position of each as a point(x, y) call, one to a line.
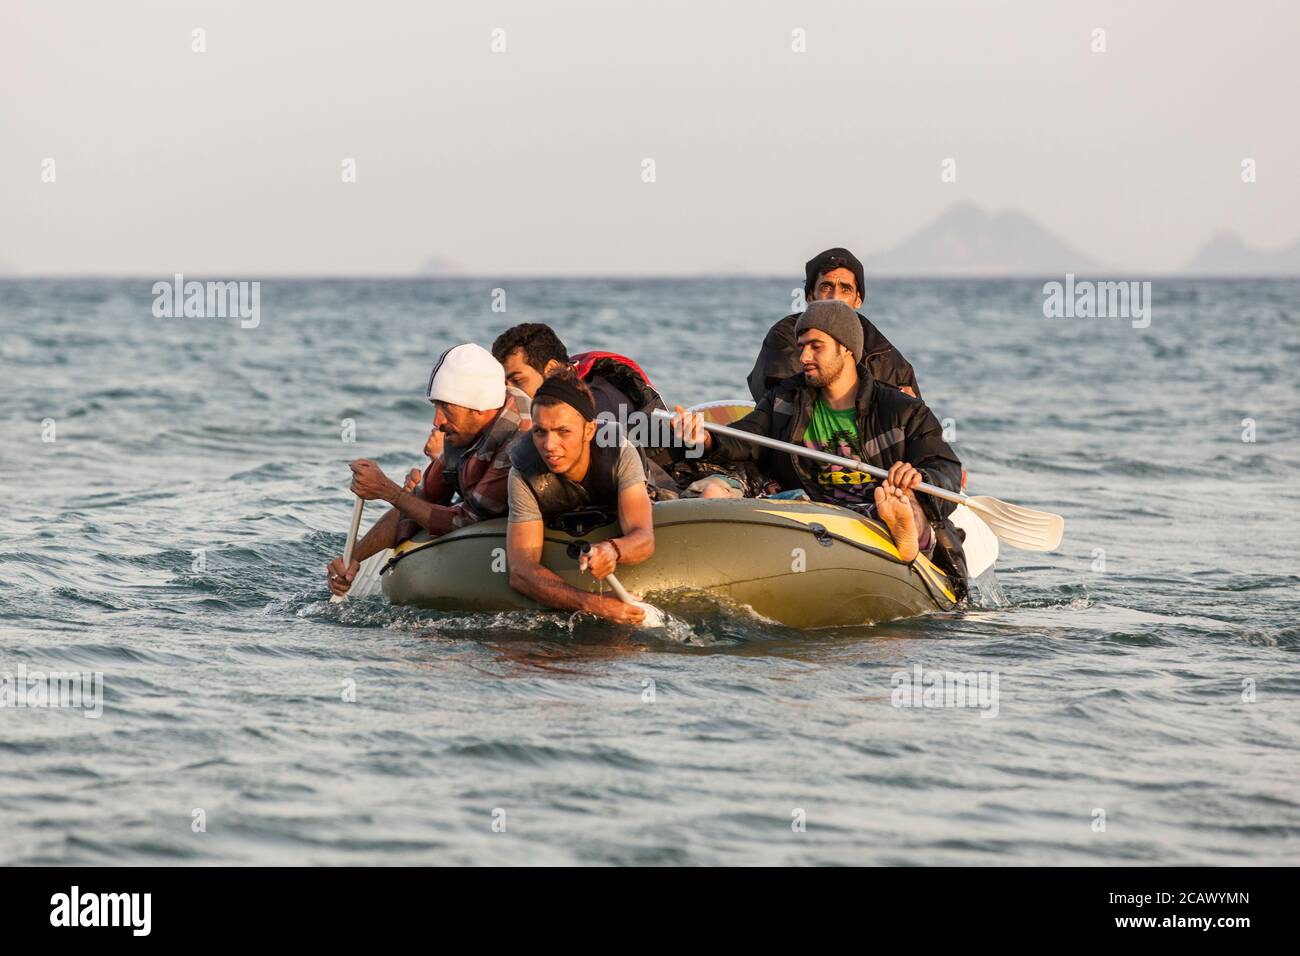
point(620, 387)
point(778, 359)
point(892, 426)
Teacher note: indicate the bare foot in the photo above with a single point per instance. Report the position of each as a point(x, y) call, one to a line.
point(895, 510)
point(715, 487)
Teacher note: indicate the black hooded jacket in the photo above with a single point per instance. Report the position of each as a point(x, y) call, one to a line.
point(893, 427)
point(779, 358)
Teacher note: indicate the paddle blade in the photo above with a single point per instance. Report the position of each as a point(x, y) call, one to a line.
point(1017, 525)
point(367, 582)
point(653, 616)
point(980, 544)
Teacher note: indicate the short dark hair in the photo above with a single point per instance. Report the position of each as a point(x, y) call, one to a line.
point(539, 342)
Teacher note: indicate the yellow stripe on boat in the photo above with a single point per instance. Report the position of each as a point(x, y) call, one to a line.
point(411, 544)
point(935, 576)
point(859, 532)
point(850, 529)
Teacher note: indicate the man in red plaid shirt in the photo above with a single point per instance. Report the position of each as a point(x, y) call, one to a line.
point(478, 417)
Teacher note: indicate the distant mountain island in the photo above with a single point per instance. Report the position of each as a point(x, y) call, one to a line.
point(969, 241)
point(1227, 255)
point(437, 266)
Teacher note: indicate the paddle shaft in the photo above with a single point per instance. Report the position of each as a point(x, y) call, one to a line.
point(352, 543)
point(352, 531)
point(618, 589)
point(615, 585)
point(815, 455)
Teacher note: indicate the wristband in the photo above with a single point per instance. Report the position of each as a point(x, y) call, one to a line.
point(618, 553)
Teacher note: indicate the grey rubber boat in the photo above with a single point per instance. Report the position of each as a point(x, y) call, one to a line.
point(803, 564)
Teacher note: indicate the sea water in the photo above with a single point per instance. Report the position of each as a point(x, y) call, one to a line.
point(174, 485)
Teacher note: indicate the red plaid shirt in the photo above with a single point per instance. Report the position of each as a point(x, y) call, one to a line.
point(481, 475)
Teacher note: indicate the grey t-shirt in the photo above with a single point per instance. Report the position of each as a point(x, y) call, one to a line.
point(523, 503)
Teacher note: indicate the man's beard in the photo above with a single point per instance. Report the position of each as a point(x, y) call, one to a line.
point(820, 379)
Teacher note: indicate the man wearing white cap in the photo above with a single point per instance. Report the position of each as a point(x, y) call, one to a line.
point(479, 417)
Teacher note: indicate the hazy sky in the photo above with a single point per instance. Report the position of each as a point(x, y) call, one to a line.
point(529, 161)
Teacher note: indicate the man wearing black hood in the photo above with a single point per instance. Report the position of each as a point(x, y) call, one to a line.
point(833, 274)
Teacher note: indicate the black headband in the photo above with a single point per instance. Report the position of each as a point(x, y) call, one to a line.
point(558, 388)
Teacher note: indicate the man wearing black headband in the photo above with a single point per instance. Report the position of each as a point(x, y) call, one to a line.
point(562, 468)
point(833, 274)
point(532, 351)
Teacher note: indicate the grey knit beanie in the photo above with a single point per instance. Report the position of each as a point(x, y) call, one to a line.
point(838, 320)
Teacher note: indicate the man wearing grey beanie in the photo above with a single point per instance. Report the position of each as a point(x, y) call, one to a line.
point(835, 405)
point(835, 319)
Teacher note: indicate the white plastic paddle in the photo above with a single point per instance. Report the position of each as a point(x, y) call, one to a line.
point(1017, 525)
point(367, 582)
point(653, 616)
point(980, 545)
point(352, 543)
